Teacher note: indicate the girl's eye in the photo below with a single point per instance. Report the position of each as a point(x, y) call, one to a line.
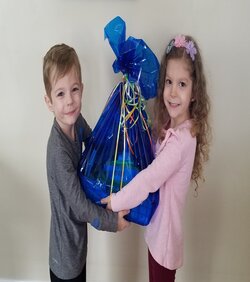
point(182, 84)
point(168, 82)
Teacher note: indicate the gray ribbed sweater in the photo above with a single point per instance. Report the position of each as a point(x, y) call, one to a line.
point(70, 210)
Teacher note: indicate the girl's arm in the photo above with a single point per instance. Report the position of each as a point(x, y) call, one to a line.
point(151, 178)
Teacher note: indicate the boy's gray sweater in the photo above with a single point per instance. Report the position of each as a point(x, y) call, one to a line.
point(70, 209)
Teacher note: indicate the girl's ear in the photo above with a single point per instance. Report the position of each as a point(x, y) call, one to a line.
point(192, 100)
point(48, 103)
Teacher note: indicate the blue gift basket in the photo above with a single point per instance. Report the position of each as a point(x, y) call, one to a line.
point(121, 145)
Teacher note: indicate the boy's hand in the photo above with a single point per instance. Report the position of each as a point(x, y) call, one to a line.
point(122, 223)
point(107, 201)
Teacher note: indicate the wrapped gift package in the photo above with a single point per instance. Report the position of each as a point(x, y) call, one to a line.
point(121, 145)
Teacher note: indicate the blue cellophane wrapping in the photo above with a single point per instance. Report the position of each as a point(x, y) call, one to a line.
point(120, 145)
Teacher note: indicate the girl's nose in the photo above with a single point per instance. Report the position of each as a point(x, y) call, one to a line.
point(173, 91)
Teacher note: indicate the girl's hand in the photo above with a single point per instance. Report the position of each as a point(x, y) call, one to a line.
point(107, 201)
point(122, 223)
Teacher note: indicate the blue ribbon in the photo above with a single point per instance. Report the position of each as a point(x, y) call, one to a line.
point(133, 58)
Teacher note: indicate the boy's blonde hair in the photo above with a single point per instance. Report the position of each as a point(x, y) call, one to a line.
point(58, 61)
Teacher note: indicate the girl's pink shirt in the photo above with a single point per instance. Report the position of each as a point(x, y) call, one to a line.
point(171, 172)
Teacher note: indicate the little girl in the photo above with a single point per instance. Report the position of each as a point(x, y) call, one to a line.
point(182, 132)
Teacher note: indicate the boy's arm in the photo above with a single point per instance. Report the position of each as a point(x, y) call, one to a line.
point(72, 195)
point(84, 134)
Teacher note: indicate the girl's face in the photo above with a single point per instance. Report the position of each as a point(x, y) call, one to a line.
point(177, 93)
point(65, 103)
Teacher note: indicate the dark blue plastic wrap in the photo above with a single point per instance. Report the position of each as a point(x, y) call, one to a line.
point(120, 145)
point(134, 58)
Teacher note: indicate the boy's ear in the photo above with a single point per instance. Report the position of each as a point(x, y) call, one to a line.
point(48, 103)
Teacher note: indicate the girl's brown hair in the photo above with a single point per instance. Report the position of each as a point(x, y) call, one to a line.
point(199, 108)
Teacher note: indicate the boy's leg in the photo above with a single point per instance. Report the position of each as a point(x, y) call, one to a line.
point(80, 278)
point(158, 273)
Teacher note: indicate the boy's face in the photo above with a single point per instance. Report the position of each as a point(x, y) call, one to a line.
point(65, 103)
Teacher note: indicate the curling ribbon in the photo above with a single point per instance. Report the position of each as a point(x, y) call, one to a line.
point(130, 96)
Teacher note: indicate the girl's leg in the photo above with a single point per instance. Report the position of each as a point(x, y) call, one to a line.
point(158, 273)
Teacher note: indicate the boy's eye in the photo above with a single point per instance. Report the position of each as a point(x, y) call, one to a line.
point(75, 89)
point(59, 94)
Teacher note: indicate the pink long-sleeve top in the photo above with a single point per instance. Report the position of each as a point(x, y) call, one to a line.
point(171, 172)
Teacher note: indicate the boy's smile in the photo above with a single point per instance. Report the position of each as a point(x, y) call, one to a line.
point(65, 103)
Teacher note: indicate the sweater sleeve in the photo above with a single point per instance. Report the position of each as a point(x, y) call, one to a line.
point(72, 195)
point(151, 178)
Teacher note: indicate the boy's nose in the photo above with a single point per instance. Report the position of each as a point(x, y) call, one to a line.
point(69, 99)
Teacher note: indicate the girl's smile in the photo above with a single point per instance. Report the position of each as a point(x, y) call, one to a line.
point(173, 105)
point(177, 91)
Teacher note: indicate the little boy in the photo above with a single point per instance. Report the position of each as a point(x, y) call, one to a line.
point(70, 210)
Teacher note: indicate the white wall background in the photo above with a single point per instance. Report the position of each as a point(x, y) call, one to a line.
point(217, 224)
